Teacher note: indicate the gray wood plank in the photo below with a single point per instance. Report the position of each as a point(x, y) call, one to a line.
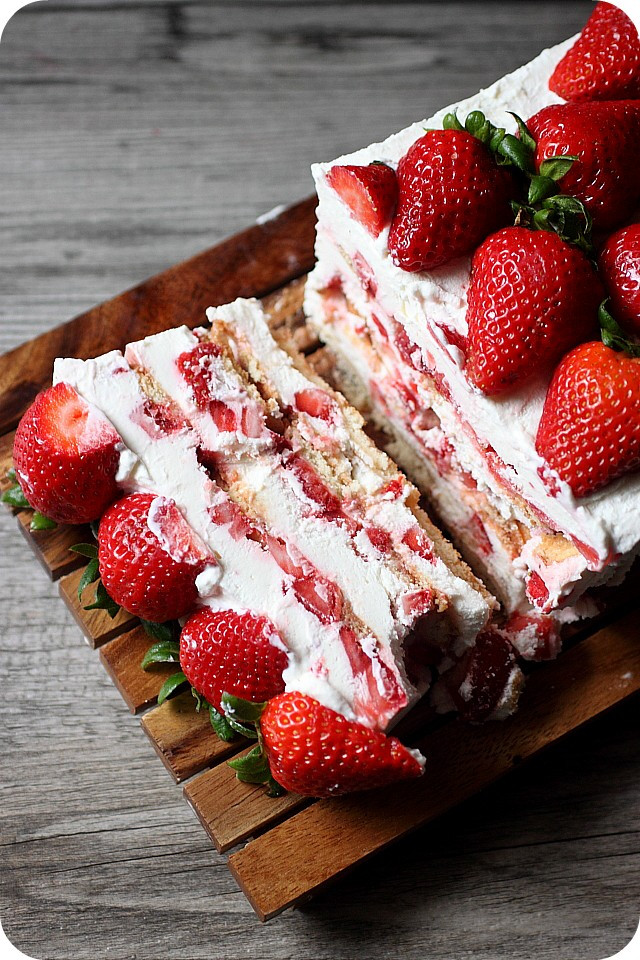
point(133, 135)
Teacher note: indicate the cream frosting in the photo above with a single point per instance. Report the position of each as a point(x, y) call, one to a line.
point(426, 304)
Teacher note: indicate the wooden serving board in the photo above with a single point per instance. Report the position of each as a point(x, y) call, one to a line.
point(297, 846)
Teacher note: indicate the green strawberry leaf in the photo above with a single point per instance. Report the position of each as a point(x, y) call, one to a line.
point(221, 725)
point(516, 153)
point(613, 335)
point(556, 167)
point(252, 767)
point(167, 631)
point(451, 122)
point(478, 126)
point(16, 498)
point(199, 699)
point(11, 474)
point(40, 522)
point(171, 686)
point(166, 651)
point(244, 731)
point(540, 188)
point(526, 137)
point(242, 711)
point(103, 601)
point(86, 550)
point(90, 575)
point(94, 527)
point(275, 789)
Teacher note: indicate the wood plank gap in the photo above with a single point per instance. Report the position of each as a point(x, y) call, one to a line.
point(97, 626)
point(53, 547)
point(337, 834)
point(230, 811)
point(184, 739)
point(121, 658)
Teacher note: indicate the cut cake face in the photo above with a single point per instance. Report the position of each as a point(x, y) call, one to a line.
point(399, 339)
point(306, 521)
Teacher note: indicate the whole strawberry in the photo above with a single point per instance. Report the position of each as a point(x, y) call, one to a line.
point(66, 457)
point(605, 137)
point(532, 296)
point(589, 431)
point(604, 62)
point(620, 268)
point(316, 752)
point(148, 557)
point(369, 191)
point(240, 653)
point(451, 194)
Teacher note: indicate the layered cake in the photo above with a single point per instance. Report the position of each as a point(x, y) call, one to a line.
point(433, 341)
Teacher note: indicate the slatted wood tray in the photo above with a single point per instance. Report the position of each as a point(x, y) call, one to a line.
point(295, 846)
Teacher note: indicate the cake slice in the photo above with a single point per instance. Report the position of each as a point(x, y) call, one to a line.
point(306, 522)
point(400, 337)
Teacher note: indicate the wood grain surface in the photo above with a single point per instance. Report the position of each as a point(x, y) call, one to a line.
point(134, 136)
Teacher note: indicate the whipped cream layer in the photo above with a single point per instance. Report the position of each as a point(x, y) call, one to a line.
point(431, 309)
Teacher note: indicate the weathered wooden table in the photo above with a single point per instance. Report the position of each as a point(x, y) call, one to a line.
point(133, 135)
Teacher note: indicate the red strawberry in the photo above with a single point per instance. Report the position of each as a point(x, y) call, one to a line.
point(65, 456)
point(531, 298)
point(451, 194)
point(620, 268)
point(149, 558)
point(370, 192)
point(486, 682)
point(604, 62)
point(315, 402)
point(606, 138)
point(589, 431)
point(239, 653)
point(316, 752)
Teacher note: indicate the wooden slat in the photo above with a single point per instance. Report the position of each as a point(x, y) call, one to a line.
point(252, 263)
point(121, 658)
point(301, 855)
point(6, 459)
point(184, 739)
point(231, 811)
point(286, 315)
point(97, 625)
point(52, 547)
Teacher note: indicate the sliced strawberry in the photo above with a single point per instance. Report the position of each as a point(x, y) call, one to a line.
point(320, 596)
point(379, 537)
point(370, 192)
point(314, 751)
point(66, 457)
point(223, 416)
point(417, 540)
point(534, 636)
point(317, 403)
point(486, 681)
point(149, 558)
point(537, 590)
point(238, 653)
point(328, 505)
point(282, 554)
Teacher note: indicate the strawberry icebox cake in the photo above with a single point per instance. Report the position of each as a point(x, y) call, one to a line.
point(478, 285)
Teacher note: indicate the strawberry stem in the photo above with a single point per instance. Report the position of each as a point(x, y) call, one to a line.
point(545, 207)
point(613, 335)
